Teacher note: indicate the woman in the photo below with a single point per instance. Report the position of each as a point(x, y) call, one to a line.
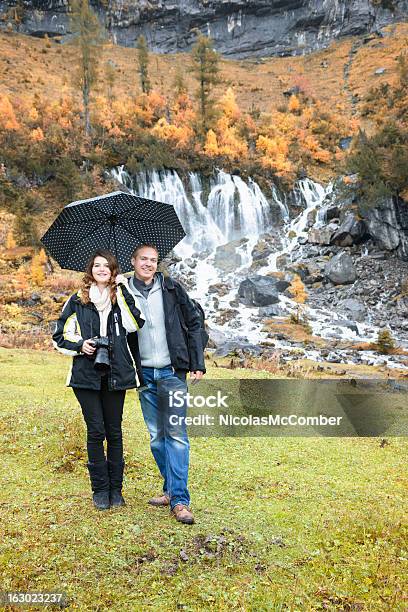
point(92, 327)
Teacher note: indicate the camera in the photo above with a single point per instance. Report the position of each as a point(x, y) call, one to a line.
point(102, 360)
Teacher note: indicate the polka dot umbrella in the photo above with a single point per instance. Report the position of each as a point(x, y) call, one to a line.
point(117, 221)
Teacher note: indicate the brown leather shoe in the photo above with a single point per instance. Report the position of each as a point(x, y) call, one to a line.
point(159, 500)
point(183, 514)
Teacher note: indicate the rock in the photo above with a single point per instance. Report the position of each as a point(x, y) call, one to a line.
point(351, 231)
point(354, 308)
point(345, 143)
point(217, 338)
point(333, 212)
point(275, 310)
point(265, 246)
point(234, 347)
point(225, 315)
point(226, 257)
point(287, 27)
point(191, 263)
point(343, 323)
point(379, 71)
point(219, 288)
point(321, 235)
point(387, 224)
point(340, 269)
point(261, 290)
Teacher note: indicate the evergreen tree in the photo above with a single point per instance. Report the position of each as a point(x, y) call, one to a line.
point(206, 70)
point(89, 37)
point(143, 62)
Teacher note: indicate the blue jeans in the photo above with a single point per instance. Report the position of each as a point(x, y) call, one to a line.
point(168, 442)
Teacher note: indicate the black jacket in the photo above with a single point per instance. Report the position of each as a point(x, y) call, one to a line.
point(79, 322)
point(183, 329)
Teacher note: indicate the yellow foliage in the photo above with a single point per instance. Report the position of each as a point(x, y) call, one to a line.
point(211, 145)
point(10, 242)
point(33, 114)
point(294, 104)
point(42, 257)
point(180, 135)
point(229, 106)
point(8, 119)
point(37, 135)
point(275, 152)
point(37, 271)
point(297, 290)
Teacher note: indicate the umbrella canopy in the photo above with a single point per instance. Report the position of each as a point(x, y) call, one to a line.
point(118, 222)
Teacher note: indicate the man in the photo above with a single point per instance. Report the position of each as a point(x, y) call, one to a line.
point(168, 346)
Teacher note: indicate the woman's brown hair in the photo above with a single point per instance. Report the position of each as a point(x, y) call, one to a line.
point(88, 279)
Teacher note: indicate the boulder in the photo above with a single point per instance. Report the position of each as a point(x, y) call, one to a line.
point(354, 309)
point(351, 231)
point(321, 235)
point(387, 224)
point(261, 290)
point(340, 269)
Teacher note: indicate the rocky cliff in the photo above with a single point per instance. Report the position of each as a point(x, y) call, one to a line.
point(239, 28)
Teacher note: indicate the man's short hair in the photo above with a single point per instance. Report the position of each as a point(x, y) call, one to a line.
point(142, 246)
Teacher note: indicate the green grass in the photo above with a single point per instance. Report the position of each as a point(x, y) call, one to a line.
point(282, 523)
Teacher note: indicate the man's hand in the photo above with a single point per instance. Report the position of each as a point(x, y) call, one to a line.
point(88, 347)
point(195, 377)
point(121, 278)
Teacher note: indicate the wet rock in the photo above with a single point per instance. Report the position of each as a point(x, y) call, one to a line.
point(351, 231)
point(275, 310)
point(219, 288)
point(269, 243)
point(340, 269)
point(226, 257)
point(354, 308)
point(322, 235)
point(261, 290)
point(343, 323)
point(191, 263)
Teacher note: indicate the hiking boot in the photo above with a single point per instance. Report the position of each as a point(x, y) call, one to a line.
point(101, 500)
point(160, 500)
point(116, 498)
point(98, 473)
point(183, 514)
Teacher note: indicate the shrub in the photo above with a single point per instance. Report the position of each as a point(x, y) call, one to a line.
point(385, 342)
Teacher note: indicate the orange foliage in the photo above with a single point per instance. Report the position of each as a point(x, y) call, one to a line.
point(8, 119)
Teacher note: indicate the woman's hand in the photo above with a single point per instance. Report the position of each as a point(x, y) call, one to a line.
point(121, 278)
point(88, 347)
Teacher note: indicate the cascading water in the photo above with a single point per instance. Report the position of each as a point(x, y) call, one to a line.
point(230, 221)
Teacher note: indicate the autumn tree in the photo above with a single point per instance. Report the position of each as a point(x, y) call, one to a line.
point(143, 63)
point(206, 70)
point(88, 39)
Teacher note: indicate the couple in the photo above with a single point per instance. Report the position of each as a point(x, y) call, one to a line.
point(153, 331)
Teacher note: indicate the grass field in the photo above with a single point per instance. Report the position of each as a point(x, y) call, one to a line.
point(282, 523)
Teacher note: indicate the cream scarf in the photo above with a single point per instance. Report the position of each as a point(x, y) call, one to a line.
point(103, 305)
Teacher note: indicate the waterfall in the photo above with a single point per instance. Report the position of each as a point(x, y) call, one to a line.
point(234, 209)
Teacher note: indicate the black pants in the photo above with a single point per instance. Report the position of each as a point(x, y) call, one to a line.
point(103, 412)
